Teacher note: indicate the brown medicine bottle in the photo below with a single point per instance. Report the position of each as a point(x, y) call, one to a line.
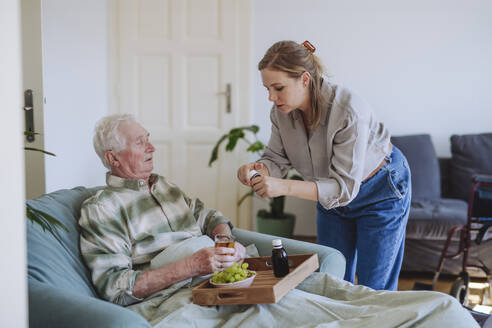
point(280, 261)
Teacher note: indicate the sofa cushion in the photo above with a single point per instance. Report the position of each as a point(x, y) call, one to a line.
point(424, 255)
point(424, 165)
point(471, 154)
point(56, 260)
point(432, 219)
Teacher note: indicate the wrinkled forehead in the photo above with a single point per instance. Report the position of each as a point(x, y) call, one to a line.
point(131, 130)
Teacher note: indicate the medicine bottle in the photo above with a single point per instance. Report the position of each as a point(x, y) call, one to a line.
point(280, 261)
point(253, 174)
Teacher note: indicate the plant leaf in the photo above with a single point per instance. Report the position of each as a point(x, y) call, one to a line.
point(46, 221)
point(35, 219)
point(252, 128)
point(296, 177)
point(233, 137)
point(232, 142)
point(40, 150)
point(215, 151)
point(256, 146)
point(29, 133)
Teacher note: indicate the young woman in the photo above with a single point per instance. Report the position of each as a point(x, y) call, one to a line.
point(332, 138)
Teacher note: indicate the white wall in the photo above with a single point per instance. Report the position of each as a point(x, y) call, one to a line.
point(75, 79)
point(425, 66)
point(13, 303)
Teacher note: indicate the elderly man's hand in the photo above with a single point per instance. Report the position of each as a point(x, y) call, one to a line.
point(228, 256)
point(210, 259)
point(240, 252)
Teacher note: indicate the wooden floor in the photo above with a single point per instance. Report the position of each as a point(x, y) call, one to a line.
point(479, 299)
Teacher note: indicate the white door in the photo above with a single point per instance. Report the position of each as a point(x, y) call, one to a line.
point(32, 80)
point(176, 59)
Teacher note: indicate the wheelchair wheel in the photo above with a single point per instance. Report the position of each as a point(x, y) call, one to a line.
point(487, 295)
point(460, 291)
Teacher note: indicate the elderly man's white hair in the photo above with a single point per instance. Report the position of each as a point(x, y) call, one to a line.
point(107, 136)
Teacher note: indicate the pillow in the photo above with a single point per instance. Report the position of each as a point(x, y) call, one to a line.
point(470, 154)
point(180, 250)
point(57, 261)
point(424, 165)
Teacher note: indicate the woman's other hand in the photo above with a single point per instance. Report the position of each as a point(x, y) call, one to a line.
point(266, 186)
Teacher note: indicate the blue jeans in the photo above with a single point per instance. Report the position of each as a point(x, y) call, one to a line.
point(370, 230)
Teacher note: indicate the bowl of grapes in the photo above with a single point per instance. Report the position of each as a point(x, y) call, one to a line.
point(235, 276)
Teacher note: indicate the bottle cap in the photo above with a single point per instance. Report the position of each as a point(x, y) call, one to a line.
point(276, 242)
point(253, 173)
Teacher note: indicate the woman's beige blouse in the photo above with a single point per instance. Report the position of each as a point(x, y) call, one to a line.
point(338, 155)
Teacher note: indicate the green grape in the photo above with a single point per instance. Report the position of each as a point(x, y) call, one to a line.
point(232, 274)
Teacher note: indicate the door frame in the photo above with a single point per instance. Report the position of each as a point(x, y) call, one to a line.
point(244, 89)
point(32, 64)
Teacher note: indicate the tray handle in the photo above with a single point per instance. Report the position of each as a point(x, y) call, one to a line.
point(234, 296)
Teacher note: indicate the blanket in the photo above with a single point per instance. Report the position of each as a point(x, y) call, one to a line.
point(319, 301)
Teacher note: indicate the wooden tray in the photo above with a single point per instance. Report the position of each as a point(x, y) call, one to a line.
point(266, 288)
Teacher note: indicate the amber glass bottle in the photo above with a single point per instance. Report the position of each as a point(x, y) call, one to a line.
point(280, 261)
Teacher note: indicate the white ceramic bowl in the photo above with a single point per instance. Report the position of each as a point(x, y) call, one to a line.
point(238, 284)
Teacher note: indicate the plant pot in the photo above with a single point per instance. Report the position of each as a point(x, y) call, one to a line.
point(282, 227)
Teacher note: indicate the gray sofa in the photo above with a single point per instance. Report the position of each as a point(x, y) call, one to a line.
point(60, 291)
point(440, 192)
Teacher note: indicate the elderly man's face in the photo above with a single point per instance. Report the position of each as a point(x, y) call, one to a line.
point(134, 162)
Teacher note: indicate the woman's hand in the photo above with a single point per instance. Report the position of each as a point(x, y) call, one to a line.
point(265, 186)
point(243, 172)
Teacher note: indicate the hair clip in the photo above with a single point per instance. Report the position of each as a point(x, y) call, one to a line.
point(309, 46)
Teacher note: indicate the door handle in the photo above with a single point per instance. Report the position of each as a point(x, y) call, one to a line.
point(227, 93)
point(28, 111)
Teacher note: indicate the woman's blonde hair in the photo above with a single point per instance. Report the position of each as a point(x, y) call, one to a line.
point(294, 59)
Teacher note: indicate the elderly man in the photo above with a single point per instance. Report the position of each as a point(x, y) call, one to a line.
point(134, 236)
point(138, 215)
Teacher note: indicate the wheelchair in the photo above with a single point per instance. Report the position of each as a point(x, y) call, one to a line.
point(479, 220)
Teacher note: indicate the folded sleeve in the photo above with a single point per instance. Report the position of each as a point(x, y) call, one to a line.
point(106, 247)
point(274, 156)
point(347, 164)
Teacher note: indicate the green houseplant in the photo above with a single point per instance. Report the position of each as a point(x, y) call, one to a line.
point(46, 221)
point(274, 221)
